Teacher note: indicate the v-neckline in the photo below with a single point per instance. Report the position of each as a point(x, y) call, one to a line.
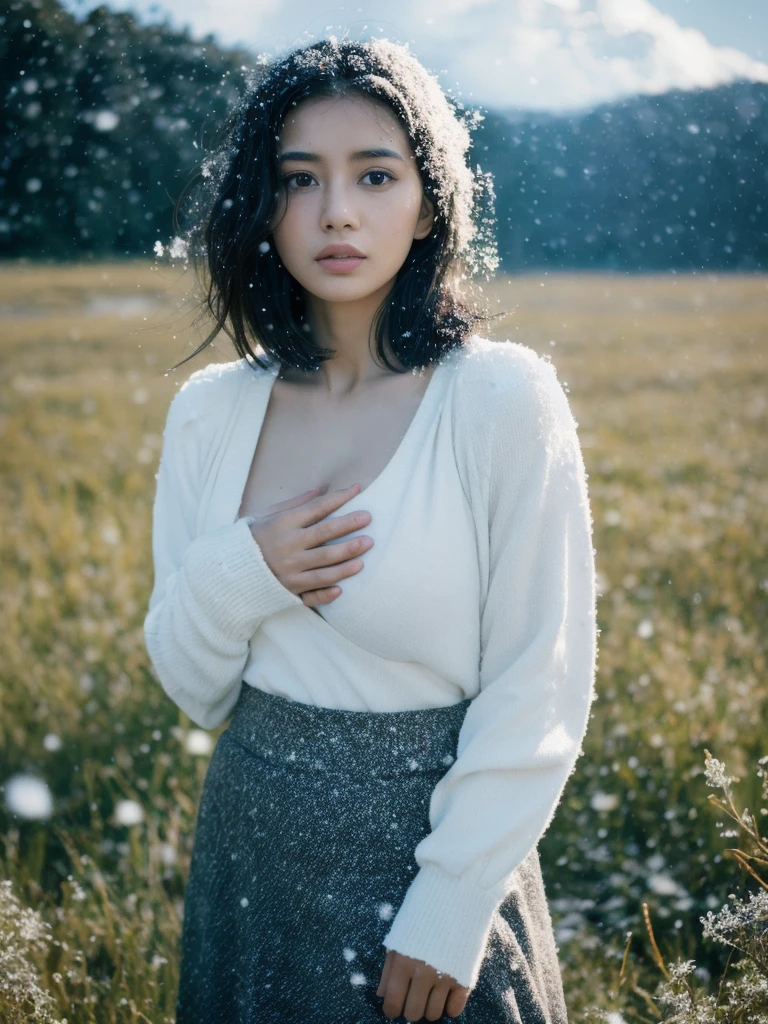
point(255, 419)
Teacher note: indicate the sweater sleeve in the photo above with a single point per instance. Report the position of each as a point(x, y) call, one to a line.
point(211, 592)
point(523, 731)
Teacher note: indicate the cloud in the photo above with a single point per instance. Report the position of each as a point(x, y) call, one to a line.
point(544, 54)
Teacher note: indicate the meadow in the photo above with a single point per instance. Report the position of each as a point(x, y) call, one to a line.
point(668, 380)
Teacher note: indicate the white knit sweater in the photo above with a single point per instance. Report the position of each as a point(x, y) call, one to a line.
point(480, 584)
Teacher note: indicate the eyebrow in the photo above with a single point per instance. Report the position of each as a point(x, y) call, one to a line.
point(362, 154)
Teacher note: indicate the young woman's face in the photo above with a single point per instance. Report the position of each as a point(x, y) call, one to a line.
point(329, 194)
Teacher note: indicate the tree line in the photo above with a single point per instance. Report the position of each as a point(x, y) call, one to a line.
point(105, 120)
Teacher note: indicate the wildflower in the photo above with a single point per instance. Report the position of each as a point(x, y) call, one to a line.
point(714, 774)
point(23, 936)
point(735, 919)
point(681, 970)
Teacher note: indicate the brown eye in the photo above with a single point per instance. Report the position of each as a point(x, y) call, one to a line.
point(390, 177)
point(296, 174)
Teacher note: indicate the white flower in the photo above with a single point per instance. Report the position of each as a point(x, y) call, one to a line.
point(714, 774)
point(681, 970)
point(736, 917)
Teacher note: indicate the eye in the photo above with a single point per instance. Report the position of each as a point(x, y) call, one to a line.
point(297, 174)
point(390, 177)
point(305, 174)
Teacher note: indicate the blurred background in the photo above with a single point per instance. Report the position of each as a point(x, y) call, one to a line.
point(628, 141)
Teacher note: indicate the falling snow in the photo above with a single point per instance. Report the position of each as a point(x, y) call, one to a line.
point(28, 797)
point(198, 742)
point(105, 120)
point(128, 812)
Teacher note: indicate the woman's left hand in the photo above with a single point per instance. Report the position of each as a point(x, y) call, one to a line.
point(415, 990)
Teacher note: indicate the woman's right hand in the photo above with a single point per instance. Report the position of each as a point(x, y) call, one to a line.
point(291, 539)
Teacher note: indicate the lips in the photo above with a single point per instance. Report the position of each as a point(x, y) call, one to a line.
point(339, 249)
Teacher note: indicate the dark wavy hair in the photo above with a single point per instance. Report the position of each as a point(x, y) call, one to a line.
point(236, 193)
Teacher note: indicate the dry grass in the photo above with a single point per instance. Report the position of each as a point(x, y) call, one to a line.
point(667, 378)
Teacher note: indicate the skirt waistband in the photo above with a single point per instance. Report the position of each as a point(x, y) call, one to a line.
point(322, 739)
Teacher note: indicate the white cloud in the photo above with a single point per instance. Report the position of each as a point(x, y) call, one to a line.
point(555, 54)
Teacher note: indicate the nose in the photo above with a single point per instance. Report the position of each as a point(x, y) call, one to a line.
point(338, 211)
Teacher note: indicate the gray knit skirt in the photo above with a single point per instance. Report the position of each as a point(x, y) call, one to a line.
point(303, 851)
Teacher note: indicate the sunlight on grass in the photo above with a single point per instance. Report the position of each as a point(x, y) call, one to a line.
point(667, 380)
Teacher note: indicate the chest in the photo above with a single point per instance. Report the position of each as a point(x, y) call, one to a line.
point(417, 599)
point(308, 441)
point(422, 578)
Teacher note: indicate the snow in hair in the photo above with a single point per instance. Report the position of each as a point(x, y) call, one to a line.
point(437, 125)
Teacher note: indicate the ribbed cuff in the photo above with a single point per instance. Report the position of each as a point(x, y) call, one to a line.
point(231, 582)
point(445, 921)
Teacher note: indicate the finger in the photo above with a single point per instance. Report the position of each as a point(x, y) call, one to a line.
point(385, 974)
point(321, 579)
point(328, 555)
point(323, 595)
point(326, 531)
point(436, 1001)
point(418, 992)
point(299, 499)
point(456, 1001)
point(396, 990)
point(322, 505)
point(394, 999)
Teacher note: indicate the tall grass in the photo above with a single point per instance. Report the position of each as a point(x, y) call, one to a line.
point(667, 377)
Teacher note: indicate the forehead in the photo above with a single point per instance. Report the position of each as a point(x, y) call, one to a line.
point(333, 118)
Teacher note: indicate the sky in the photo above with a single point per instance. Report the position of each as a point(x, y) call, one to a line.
point(555, 55)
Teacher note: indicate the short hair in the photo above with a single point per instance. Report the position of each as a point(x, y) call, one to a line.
point(237, 196)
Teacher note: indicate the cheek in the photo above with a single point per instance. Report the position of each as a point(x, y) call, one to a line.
point(404, 215)
point(285, 235)
point(281, 217)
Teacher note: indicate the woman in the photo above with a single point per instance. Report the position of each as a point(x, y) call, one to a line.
point(407, 702)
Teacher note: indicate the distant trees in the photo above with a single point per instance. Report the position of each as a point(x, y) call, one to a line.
point(105, 119)
point(648, 183)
